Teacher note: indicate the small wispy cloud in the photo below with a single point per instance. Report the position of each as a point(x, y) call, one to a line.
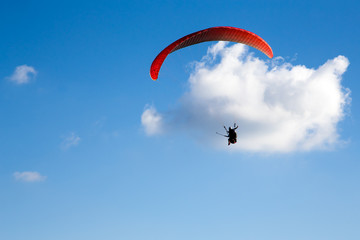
point(29, 177)
point(70, 140)
point(23, 74)
point(151, 120)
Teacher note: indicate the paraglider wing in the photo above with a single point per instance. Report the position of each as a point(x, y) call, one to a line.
point(231, 34)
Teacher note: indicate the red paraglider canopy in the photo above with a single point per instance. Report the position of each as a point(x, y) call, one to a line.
point(231, 34)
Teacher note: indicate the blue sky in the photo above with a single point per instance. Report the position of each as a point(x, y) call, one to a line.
point(75, 159)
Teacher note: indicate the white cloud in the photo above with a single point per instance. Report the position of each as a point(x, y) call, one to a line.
point(279, 107)
point(152, 121)
point(22, 74)
point(29, 176)
point(70, 140)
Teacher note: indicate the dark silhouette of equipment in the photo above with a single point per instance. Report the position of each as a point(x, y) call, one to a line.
point(231, 134)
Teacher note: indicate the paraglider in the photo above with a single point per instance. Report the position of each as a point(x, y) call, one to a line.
point(211, 34)
point(231, 134)
point(231, 34)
